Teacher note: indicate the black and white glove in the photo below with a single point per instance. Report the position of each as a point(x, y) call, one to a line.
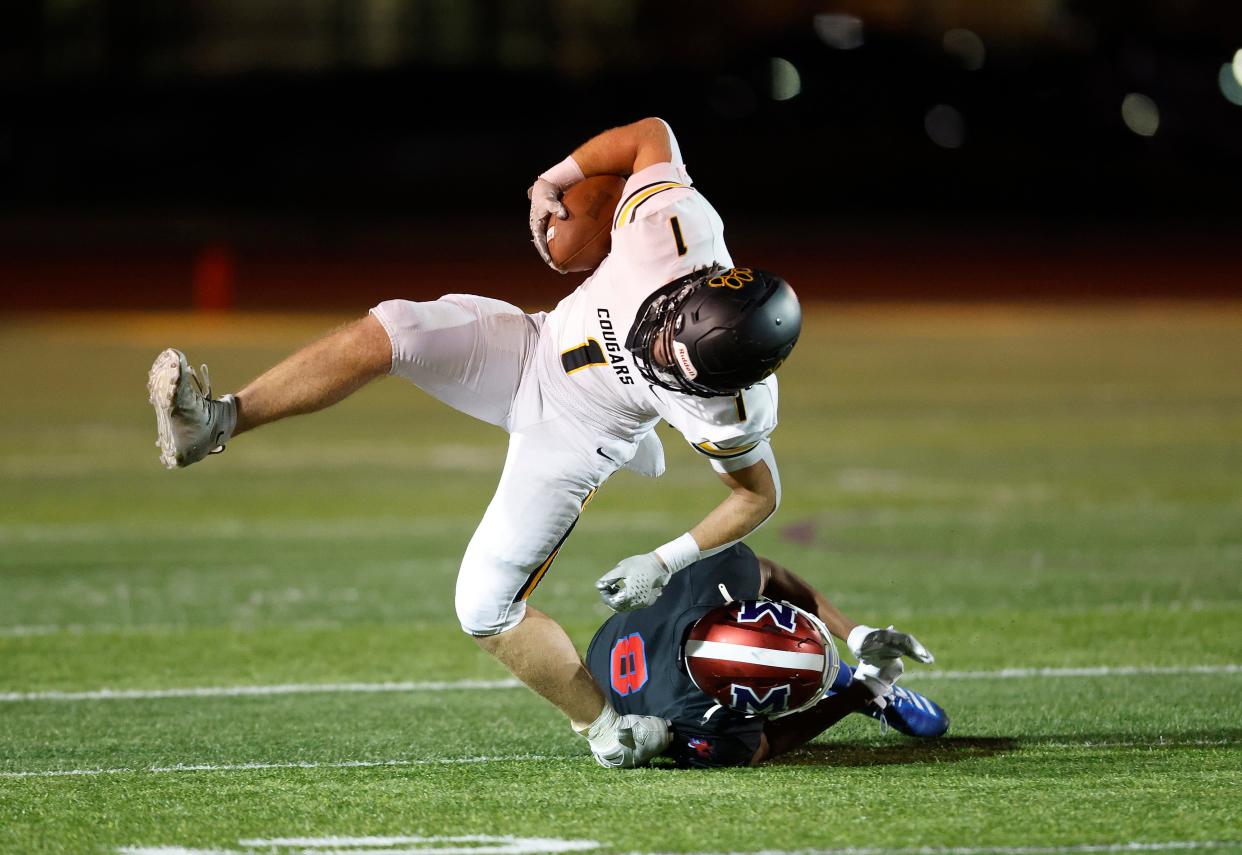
point(635, 583)
point(872, 645)
point(545, 202)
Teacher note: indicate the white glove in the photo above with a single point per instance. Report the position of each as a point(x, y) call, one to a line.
point(640, 738)
point(879, 676)
point(545, 201)
point(635, 583)
point(870, 644)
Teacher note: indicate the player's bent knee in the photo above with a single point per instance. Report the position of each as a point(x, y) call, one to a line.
point(492, 587)
point(486, 623)
point(485, 610)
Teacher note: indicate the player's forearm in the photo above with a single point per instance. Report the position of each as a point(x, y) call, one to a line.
point(754, 494)
point(624, 150)
point(785, 734)
point(738, 515)
point(783, 584)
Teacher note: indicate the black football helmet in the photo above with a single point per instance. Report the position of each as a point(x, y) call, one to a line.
point(722, 329)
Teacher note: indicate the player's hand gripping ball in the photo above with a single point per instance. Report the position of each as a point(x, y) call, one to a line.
point(545, 202)
point(582, 238)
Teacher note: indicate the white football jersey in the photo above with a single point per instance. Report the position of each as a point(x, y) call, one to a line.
point(663, 229)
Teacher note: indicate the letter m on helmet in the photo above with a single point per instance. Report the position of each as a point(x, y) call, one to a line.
point(774, 700)
point(782, 614)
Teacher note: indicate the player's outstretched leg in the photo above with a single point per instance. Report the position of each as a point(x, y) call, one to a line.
point(190, 424)
point(539, 653)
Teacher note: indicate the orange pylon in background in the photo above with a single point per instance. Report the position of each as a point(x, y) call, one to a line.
point(214, 278)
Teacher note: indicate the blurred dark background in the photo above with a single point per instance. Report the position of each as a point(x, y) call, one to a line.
point(291, 153)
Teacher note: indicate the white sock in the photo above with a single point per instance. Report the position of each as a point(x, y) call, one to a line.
point(229, 422)
point(602, 733)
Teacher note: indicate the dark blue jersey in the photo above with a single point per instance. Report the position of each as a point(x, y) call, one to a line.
point(636, 659)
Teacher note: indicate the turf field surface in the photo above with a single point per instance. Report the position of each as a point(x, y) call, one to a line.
point(259, 653)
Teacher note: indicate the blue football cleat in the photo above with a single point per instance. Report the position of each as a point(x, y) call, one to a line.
point(912, 714)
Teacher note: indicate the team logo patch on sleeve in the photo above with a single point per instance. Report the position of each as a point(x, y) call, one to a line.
point(701, 747)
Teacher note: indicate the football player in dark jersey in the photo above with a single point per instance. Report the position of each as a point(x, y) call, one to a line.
point(639, 659)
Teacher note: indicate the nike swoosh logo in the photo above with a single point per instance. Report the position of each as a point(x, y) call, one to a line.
point(600, 452)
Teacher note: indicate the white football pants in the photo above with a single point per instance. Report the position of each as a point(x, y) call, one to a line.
point(477, 355)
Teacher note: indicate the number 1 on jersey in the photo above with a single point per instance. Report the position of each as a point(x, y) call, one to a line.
point(583, 356)
point(677, 238)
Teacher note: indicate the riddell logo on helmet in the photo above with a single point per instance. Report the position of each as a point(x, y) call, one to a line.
point(701, 747)
point(682, 354)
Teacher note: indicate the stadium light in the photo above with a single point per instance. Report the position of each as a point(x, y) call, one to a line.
point(843, 32)
point(966, 47)
point(1230, 82)
point(786, 81)
point(1237, 66)
point(945, 126)
point(1140, 114)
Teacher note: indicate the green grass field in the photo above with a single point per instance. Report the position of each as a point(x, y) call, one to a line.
point(1023, 488)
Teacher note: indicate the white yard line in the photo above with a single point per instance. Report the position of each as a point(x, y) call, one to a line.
point(1166, 846)
point(474, 844)
point(78, 629)
point(460, 844)
point(1132, 743)
point(520, 758)
point(22, 631)
point(481, 844)
point(276, 689)
point(1090, 671)
point(490, 685)
point(262, 767)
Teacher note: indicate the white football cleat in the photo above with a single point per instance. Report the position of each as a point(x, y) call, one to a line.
point(640, 739)
point(190, 424)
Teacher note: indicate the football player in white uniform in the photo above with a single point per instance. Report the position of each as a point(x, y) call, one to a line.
point(666, 327)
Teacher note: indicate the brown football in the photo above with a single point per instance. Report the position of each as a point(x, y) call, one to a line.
point(581, 242)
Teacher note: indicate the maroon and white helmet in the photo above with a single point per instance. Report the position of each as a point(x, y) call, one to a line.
point(761, 657)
